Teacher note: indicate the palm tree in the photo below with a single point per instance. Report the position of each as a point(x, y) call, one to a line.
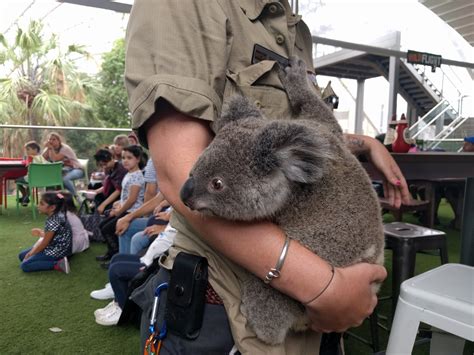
point(42, 85)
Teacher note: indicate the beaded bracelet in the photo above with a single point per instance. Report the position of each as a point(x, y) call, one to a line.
point(275, 272)
point(324, 289)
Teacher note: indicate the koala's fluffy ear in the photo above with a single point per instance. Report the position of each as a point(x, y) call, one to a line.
point(237, 107)
point(294, 149)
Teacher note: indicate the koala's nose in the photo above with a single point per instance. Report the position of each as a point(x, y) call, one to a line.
point(187, 191)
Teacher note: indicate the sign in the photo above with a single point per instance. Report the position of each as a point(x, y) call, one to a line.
point(433, 60)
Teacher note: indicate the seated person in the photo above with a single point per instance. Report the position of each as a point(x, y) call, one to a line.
point(120, 141)
point(58, 151)
point(124, 230)
point(141, 240)
point(133, 139)
point(32, 151)
point(131, 198)
point(80, 236)
point(54, 245)
point(123, 268)
point(112, 185)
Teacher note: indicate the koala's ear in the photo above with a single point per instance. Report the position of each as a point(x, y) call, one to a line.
point(294, 149)
point(236, 108)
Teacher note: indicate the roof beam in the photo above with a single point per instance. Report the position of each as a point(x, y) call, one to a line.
point(101, 4)
point(380, 51)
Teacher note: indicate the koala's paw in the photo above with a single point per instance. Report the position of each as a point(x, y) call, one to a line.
point(294, 74)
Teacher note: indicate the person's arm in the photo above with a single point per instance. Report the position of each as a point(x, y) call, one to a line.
point(51, 154)
point(394, 184)
point(99, 190)
point(43, 243)
point(133, 192)
point(113, 197)
point(37, 232)
point(175, 142)
point(151, 189)
point(147, 208)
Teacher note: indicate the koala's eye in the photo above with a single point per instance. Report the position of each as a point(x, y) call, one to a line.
point(217, 184)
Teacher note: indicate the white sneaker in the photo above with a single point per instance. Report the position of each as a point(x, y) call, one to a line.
point(111, 317)
point(63, 265)
point(106, 293)
point(104, 310)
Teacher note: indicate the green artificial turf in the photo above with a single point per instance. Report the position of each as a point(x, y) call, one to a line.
point(30, 304)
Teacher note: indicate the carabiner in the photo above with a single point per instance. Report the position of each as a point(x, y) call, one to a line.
point(154, 312)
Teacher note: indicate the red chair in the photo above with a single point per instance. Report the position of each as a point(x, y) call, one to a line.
point(10, 175)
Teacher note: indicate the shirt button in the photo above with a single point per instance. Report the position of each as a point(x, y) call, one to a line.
point(258, 104)
point(273, 9)
point(280, 39)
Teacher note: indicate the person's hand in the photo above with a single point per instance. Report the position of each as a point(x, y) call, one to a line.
point(165, 216)
point(37, 232)
point(160, 206)
point(395, 187)
point(153, 230)
point(348, 300)
point(28, 255)
point(101, 208)
point(122, 224)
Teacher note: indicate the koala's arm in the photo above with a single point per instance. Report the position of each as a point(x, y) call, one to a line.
point(395, 185)
point(175, 142)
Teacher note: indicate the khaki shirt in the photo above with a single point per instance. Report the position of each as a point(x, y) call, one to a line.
point(195, 54)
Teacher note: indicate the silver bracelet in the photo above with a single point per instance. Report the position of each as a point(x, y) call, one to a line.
point(274, 273)
point(325, 287)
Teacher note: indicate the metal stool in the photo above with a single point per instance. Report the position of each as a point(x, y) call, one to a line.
point(443, 298)
point(405, 240)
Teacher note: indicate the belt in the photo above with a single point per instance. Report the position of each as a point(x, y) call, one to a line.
point(212, 297)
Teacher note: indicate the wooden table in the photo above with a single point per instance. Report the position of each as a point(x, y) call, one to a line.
point(442, 165)
point(7, 166)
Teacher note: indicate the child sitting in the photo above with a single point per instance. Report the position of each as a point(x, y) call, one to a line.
point(80, 237)
point(32, 152)
point(51, 250)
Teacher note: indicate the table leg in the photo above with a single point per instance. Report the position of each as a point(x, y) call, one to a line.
point(467, 228)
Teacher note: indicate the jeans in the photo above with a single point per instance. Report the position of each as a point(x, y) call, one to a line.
point(139, 241)
point(107, 227)
point(137, 225)
point(122, 269)
point(69, 176)
point(37, 262)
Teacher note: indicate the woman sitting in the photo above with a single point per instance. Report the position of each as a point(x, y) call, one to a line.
point(57, 151)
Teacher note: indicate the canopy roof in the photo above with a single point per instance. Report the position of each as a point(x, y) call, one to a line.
point(459, 14)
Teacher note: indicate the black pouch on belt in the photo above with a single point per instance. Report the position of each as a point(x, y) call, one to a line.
point(186, 295)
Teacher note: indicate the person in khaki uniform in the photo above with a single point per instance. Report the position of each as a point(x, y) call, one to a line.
point(184, 59)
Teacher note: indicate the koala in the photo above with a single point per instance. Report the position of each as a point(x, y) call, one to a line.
point(296, 172)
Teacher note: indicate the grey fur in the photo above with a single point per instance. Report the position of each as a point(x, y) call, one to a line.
point(297, 173)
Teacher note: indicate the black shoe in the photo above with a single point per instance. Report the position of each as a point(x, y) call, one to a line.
point(25, 200)
point(105, 257)
point(105, 265)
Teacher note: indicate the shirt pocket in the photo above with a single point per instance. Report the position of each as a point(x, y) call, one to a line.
point(261, 85)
